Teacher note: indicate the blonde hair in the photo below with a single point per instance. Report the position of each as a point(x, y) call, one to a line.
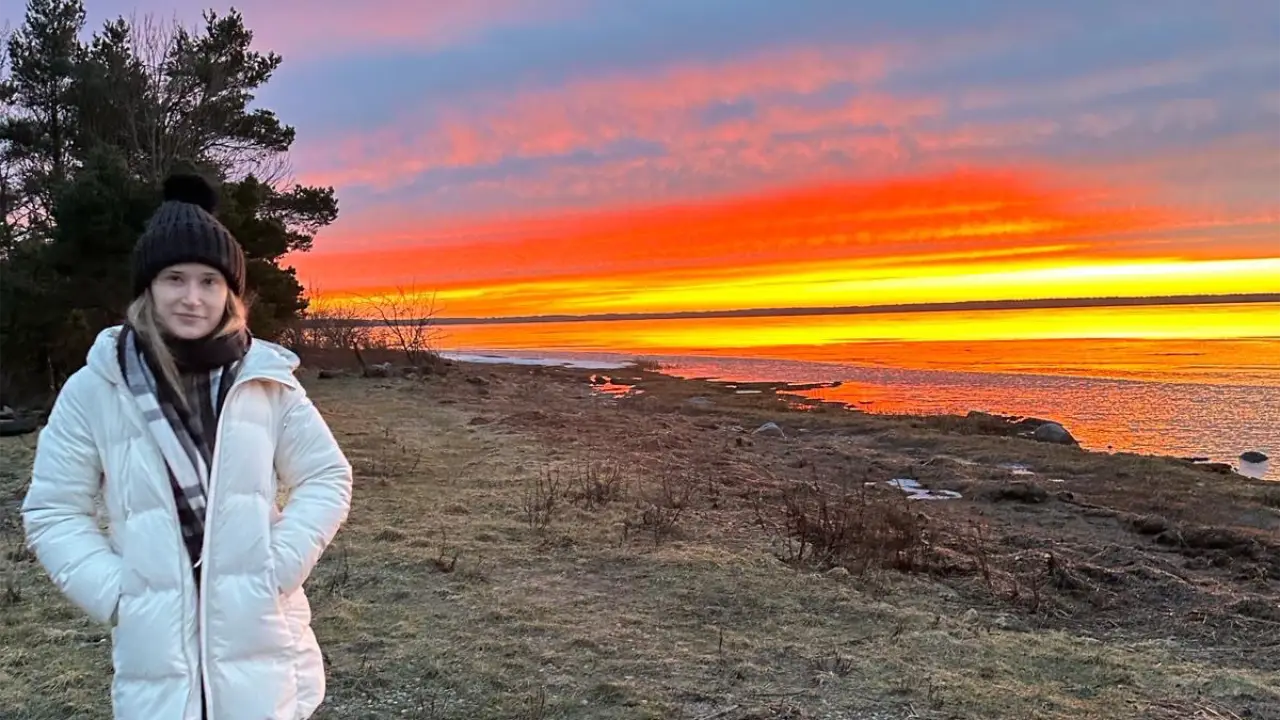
point(145, 320)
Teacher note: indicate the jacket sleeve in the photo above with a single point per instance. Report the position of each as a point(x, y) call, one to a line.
point(58, 511)
point(309, 462)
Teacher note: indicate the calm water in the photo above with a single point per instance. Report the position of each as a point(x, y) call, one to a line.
point(1178, 394)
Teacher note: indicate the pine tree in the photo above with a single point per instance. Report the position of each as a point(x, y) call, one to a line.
point(88, 133)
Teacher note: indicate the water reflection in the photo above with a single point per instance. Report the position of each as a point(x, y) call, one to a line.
point(1204, 382)
point(1195, 419)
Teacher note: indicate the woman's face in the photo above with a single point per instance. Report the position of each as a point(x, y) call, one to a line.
point(190, 299)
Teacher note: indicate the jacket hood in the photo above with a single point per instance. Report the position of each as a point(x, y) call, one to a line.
point(265, 360)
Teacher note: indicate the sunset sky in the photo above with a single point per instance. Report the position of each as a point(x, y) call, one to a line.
point(524, 157)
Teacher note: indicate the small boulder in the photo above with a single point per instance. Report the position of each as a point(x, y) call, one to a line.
point(770, 429)
point(326, 374)
point(1052, 432)
point(6, 413)
point(1149, 524)
point(1018, 492)
point(19, 426)
point(1219, 468)
point(1253, 456)
point(411, 372)
point(377, 370)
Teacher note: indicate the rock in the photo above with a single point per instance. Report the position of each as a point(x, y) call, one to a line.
point(770, 429)
point(838, 572)
point(1052, 432)
point(1009, 623)
point(1253, 456)
point(699, 402)
point(1219, 468)
point(477, 380)
point(970, 617)
point(19, 426)
point(329, 374)
point(1149, 524)
point(6, 413)
point(1018, 492)
point(379, 370)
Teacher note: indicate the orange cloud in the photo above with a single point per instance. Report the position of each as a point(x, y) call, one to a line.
point(951, 237)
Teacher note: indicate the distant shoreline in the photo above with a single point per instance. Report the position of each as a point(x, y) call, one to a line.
point(972, 305)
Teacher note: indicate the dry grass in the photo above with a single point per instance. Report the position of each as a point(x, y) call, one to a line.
point(489, 570)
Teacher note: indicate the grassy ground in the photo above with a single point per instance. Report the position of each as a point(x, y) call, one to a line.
point(523, 547)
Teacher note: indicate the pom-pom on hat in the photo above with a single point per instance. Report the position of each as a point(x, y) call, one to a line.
point(182, 230)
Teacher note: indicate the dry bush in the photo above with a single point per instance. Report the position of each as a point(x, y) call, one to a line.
point(823, 525)
point(660, 506)
point(332, 325)
point(338, 563)
point(542, 496)
point(390, 458)
point(407, 318)
point(15, 552)
point(595, 485)
point(446, 561)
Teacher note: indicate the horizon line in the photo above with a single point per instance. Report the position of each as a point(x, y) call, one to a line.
point(1031, 304)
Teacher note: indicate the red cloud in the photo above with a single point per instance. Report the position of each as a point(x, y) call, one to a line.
point(664, 107)
point(957, 216)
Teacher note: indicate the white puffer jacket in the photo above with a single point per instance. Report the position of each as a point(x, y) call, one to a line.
point(249, 633)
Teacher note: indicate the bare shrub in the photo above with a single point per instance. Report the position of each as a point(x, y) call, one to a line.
point(447, 560)
point(655, 520)
point(660, 505)
point(542, 497)
point(822, 525)
point(595, 485)
point(335, 325)
point(534, 707)
point(392, 458)
point(339, 576)
point(12, 594)
point(407, 318)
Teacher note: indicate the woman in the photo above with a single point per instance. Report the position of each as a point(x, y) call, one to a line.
point(182, 424)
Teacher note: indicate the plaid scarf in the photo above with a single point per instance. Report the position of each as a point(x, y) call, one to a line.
point(184, 432)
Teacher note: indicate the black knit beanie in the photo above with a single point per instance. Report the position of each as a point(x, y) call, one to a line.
point(182, 230)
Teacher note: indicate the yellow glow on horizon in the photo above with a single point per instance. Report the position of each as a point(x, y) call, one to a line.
point(878, 281)
point(815, 332)
point(977, 235)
